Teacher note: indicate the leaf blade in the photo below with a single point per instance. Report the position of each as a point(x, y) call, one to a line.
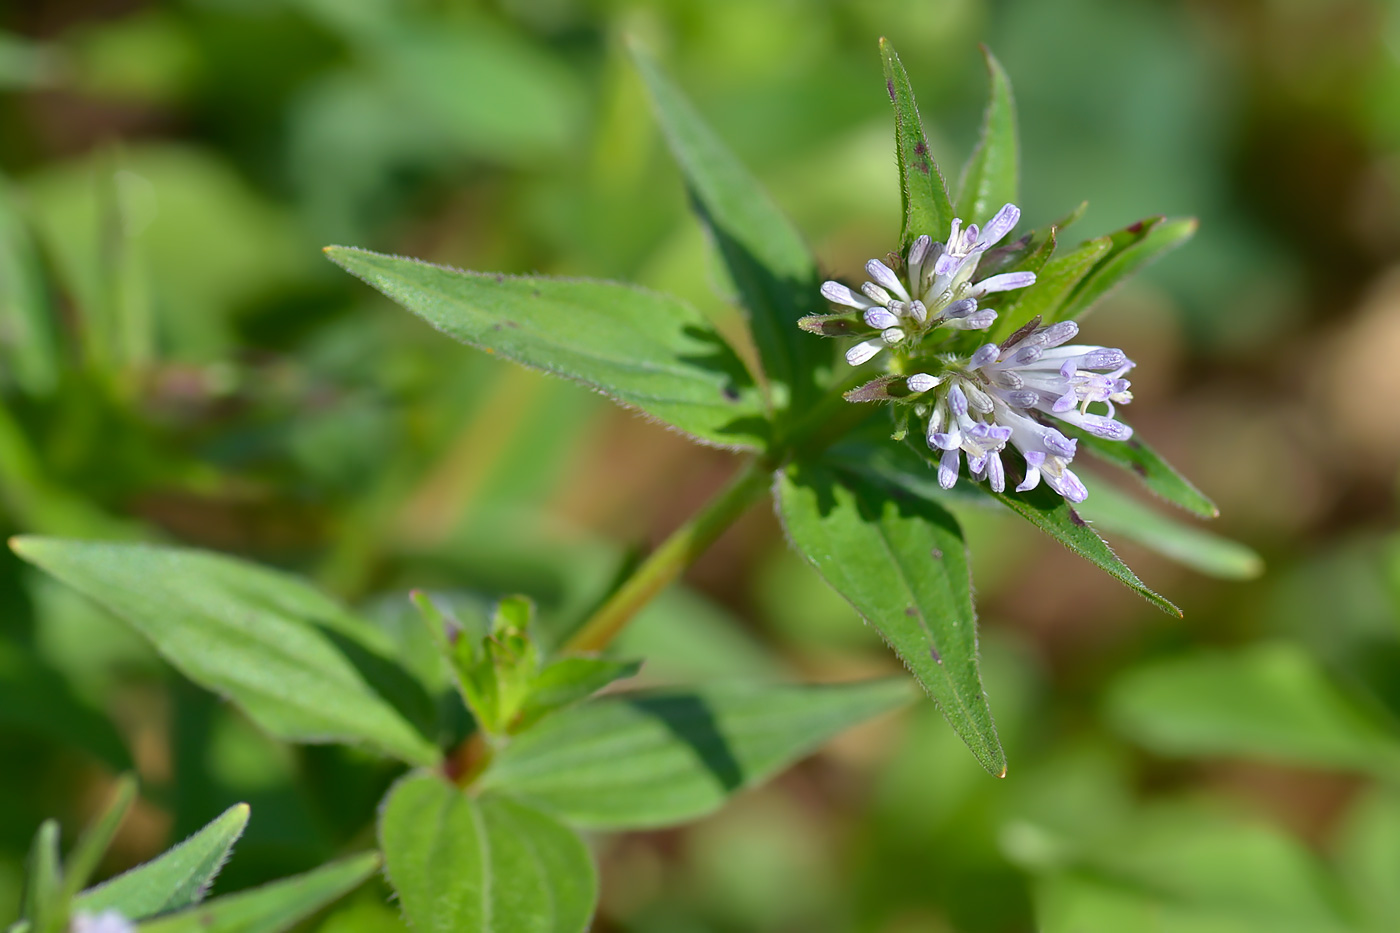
point(1127, 255)
point(991, 176)
point(924, 195)
point(294, 660)
point(901, 562)
point(1151, 470)
point(655, 758)
point(642, 349)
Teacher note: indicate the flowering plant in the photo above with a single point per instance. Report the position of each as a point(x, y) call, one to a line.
point(972, 326)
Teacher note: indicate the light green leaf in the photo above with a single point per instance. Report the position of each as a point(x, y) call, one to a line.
point(272, 907)
point(487, 864)
point(28, 338)
point(771, 266)
point(566, 681)
point(663, 757)
point(1049, 512)
point(900, 560)
point(1113, 513)
point(1054, 283)
point(923, 193)
point(990, 178)
point(1130, 250)
point(1148, 466)
point(93, 844)
point(295, 661)
point(1368, 853)
point(43, 890)
point(1270, 701)
point(642, 349)
point(175, 879)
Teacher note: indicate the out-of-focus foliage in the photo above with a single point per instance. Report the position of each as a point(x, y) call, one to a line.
point(180, 364)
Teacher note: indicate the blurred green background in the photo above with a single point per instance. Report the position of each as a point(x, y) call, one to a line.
point(178, 362)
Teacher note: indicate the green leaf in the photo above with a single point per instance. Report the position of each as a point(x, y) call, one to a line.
point(662, 757)
point(1270, 701)
point(36, 697)
point(1148, 466)
point(1049, 512)
point(1368, 853)
point(487, 863)
point(1114, 513)
point(990, 177)
point(773, 269)
point(173, 880)
point(43, 891)
point(93, 844)
point(644, 350)
point(1054, 283)
point(1130, 249)
point(298, 664)
point(900, 560)
point(1029, 253)
point(566, 681)
point(923, 193)
point(29, 345)
point(272, 907)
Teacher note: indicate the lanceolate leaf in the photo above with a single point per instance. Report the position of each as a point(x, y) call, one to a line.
point(296, 662)
point(658, 758)
point(488, 864)
point(900, 560)
point(1143, 462)
point(1045, 509)
point(990, 177)
point(43, 891)
point(645, 350)
point(93, 844)
point(1054, 283)
point(273, 907)
point(770, 264)
point(923, 193)
point(173, 880)
point(29, 345)
point(1114, 513)
point(1131, 249)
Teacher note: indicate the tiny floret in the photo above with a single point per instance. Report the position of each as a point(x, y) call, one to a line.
point(107, 921)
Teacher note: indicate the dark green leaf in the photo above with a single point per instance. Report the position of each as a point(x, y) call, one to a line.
point(771, 266)
point(900, 560)
point(298, 663)
point(923, 193)
point(34, 696)
point(174, 880)
point(663, 757)
point(1131, 249)
point(645, 350)
point(1147, 465)
point(272, 907)
point(1114, 513)
point(1029, 253)
point(487, 864)
point(990, 177)
point(1048, 511)
point(1271, 701)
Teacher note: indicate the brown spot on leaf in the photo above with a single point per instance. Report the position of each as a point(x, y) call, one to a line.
point(937, 553)
point(889, 86)
point(909, 611)
point(1074, 517)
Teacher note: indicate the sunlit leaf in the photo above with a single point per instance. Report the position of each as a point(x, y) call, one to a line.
point(662, 757)
point(484, 863)
point(301, 666)
point(900, 560)
point(174, 880)
point(1130, 250)
point(923, 193)
point(643, 349)
point(990, 178)
point(1148, 466)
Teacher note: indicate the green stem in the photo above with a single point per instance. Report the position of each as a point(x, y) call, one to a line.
point(674, 555)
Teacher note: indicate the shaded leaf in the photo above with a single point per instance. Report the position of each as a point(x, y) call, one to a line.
point(662, 757)
point(43, 904)
point(173, 880)
point(272, 907)
point(773, 269)
point(28, 337)
point(299, 664)
point(95, 841)
point(1114, 513)
point(1054, 283)
point(1270, 701)
point(923, 193)
point(34, 696)
point(990, 178)
point(487, 863)
point(642, 349)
